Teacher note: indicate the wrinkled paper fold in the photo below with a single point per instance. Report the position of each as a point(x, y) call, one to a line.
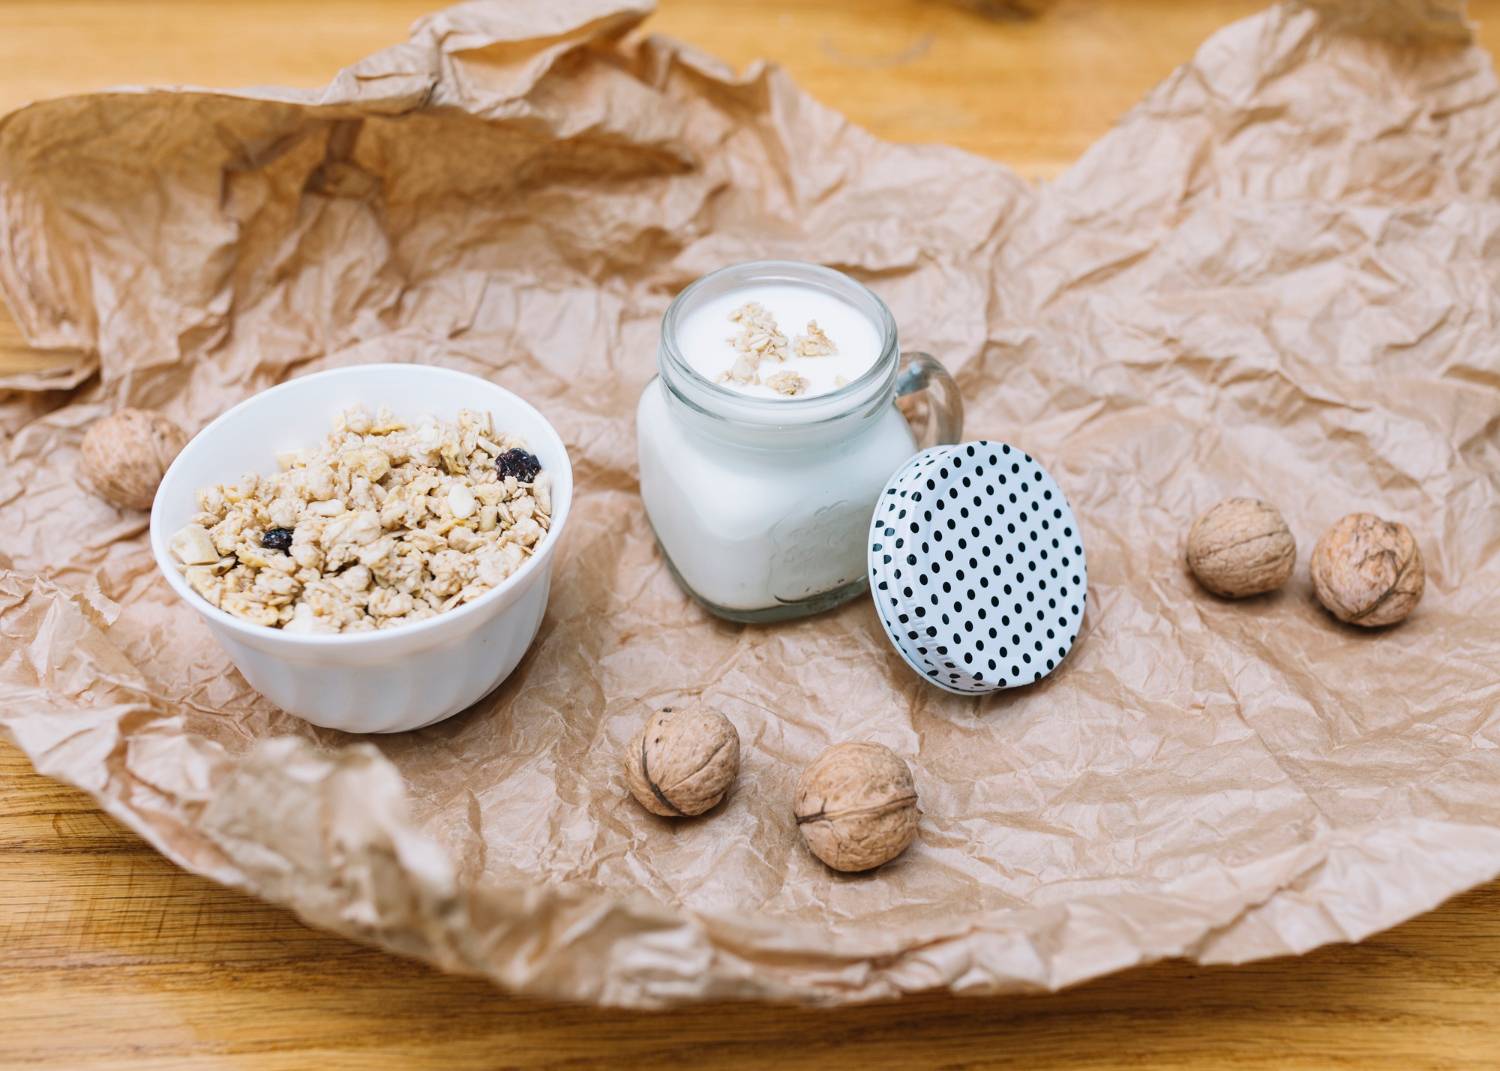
point(1276, 277)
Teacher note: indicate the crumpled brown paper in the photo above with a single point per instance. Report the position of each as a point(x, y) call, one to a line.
point(1277, 276)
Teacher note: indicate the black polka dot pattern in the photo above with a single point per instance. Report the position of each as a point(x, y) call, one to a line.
point(977, 567)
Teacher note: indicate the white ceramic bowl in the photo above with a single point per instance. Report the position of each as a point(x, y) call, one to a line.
point(398, 678)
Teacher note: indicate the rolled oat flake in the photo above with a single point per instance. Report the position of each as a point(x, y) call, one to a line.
point(977, 567)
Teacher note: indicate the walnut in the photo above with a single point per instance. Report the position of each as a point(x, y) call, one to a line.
point(1367, 571)
point(856, 806)
point(1241, 547)
point(682, 762)
point(125, 455)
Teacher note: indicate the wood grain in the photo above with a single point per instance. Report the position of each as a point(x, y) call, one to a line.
point(110, 957)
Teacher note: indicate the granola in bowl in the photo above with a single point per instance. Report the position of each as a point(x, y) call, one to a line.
point(388, 522)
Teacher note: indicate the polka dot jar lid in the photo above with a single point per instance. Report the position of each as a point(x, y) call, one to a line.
point(977, 567)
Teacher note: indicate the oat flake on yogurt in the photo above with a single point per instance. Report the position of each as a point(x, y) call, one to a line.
point(384, 524)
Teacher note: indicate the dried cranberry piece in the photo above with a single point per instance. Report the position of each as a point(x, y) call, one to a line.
point(277, 539)
point(518, 463)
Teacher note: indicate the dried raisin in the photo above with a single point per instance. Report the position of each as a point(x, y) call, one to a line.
point(518, 463)
point(277, 539)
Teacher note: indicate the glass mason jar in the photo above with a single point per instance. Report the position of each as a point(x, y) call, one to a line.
point(762, 506)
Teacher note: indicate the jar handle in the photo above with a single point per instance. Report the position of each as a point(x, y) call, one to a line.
point(945, 406)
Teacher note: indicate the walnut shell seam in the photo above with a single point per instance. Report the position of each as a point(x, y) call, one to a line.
point(896, 804)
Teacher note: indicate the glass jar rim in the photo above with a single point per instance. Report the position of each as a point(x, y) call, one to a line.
point(721, 402)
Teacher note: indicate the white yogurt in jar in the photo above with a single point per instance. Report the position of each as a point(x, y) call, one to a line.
point(753, 530)
point(761, 500)
point(808, 320)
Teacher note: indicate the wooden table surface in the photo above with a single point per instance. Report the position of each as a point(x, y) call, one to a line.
point(110, 957)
